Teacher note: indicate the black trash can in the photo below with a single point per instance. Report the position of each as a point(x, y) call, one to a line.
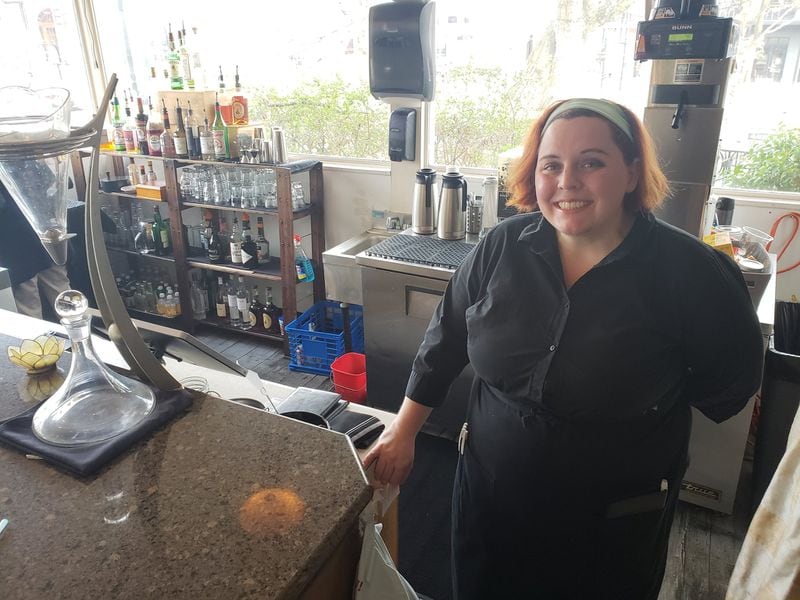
point(780, 398)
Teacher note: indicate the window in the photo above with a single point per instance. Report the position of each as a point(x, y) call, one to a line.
point(759, 145)
point(40, 48)
point(500, 63)
point(303, 65)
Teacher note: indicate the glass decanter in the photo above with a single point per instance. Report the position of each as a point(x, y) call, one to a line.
point(94, 403)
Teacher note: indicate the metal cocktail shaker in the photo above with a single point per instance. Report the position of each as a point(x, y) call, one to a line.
point(278, 146)
point(266, 152)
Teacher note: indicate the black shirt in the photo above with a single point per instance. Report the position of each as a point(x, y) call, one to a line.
point(663, 319)
point(21, 251)
point(580, 402)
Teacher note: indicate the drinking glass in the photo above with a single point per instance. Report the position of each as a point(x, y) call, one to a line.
point(186, 184)
point(298, 197)
point(272, 195)
point(235, 185)
point(220, 187)
point(245, 144)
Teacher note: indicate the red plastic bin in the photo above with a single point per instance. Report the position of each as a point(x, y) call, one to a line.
point(349, 374)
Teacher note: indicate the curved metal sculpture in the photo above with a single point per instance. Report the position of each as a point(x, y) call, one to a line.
point(115, 316)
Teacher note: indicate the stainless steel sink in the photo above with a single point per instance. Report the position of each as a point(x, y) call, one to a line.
point(354, 245)
point(342, 274)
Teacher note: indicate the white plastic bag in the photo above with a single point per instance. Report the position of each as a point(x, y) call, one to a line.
point(378, 578)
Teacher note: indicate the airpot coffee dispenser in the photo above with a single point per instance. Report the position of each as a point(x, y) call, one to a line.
point(423, 212)
point(451, 222)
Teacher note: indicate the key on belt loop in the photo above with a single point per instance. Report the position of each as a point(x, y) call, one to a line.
point(462, 437)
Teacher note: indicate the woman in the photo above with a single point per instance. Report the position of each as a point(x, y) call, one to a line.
point(592, 328)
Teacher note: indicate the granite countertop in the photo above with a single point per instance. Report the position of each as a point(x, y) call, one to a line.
point(224, 502)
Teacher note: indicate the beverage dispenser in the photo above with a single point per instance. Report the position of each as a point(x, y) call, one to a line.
point(692, 53)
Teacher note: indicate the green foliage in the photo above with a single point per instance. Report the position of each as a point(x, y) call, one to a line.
point(481, 112)
point(326, 117)
point(772, 164)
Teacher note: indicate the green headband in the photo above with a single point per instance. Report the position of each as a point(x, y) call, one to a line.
point(608, 110)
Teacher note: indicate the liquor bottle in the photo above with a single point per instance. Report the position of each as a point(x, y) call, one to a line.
point(129, 129)
point(305, 270)
point(167, 143)
point(221, 80)
point(195, 43)
point(151, 174)
point(141, 128)
point(218, 131)
point(233, 306)
point(162, 234)
point(186, 63)
point(262, 243)
point(154, 130)
point(142, 176)
point(221, 301)
point(236, 243)
point(256, 311)
point(175, 79)
point(118, 124)
point(249, 246)
point(270, 315)
point(145, 242)
point(179, 137)
point(225, 241)
point(133, 173)
point(214, 244)
point(243, 304)
point(239, 114)
point(206, 140)
point(192, 133)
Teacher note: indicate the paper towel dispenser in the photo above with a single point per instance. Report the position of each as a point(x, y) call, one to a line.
point(401, 50)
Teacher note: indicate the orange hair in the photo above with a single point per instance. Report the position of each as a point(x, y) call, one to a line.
point(650, 192)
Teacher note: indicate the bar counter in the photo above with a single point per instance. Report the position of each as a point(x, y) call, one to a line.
point(224, 502)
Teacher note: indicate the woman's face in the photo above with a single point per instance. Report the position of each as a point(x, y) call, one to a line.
point(581, 179)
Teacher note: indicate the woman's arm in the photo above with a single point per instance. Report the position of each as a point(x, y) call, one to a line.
point(393, 453)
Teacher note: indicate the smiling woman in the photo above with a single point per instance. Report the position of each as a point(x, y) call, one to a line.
point(578, 422)
point(589, 168)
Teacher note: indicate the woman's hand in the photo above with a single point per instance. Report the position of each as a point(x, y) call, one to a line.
point(393, 453)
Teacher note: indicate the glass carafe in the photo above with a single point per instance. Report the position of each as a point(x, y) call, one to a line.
point(94, 403)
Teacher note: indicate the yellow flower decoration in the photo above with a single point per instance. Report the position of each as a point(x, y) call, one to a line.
point(38, 355)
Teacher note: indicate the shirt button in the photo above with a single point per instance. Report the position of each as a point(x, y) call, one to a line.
point(553, 348)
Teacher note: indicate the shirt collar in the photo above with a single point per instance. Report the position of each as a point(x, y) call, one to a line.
point(541, 237)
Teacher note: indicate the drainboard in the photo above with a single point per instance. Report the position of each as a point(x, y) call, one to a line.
point(422, 251)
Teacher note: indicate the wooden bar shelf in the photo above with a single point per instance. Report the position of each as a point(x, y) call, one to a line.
point(277, 270)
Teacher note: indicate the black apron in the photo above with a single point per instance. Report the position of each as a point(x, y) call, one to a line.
point(546, 508)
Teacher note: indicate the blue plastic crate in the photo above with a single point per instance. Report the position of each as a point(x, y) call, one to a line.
point(316, 337)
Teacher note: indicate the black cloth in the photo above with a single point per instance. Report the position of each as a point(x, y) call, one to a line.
point(88, 459)
point(581, 398)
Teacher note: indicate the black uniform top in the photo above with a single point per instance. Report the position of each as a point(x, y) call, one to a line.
point(662, 319)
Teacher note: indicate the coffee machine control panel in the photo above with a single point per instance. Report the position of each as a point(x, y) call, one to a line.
point(692, 38)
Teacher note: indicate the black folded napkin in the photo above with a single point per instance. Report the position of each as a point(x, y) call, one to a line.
point(303, 399)
point(363, 429)
point(88, 459)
